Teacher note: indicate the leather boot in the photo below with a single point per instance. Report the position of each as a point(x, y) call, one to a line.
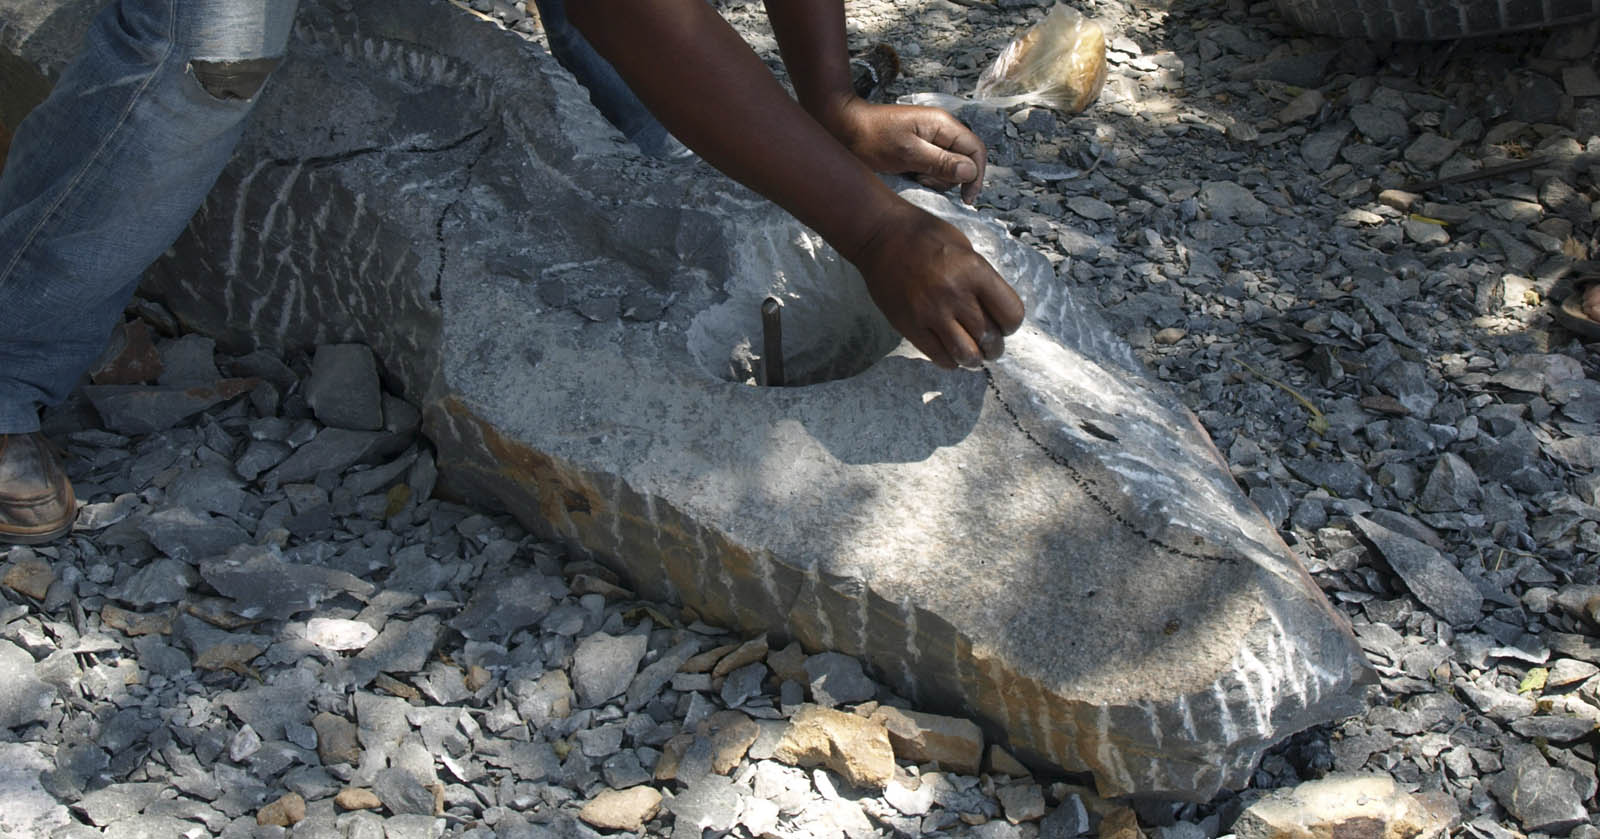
point(36, 500)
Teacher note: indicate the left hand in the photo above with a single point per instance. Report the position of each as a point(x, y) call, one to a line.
point(927, 143)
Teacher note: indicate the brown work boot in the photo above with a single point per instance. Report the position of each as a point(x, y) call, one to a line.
point(36, 501)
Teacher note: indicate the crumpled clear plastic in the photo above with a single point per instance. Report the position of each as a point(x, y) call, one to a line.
point(1059, 63)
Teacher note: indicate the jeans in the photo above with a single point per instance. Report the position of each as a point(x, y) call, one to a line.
point(106, 173)
point(609, 93)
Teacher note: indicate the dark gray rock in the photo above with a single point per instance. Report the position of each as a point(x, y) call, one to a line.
point(188, 361)
point(649, 681)
point(710, 802)
point(603, 665)
point(190, 535)
point(1429, 150)
point(1431, 578)
point(333, 450)
point(504, 606)
point(403, 646)
point(1541, 797)
point(136, 409)
point(117, 802)
point(1320, 149)
point(160, 581)
point(343, 388)
point(262, 584)
point(24, 697)
point(271, 708)
point(1379, 124)
point(1068, 820)
point(211, 489)
point(1556, 728)
point(1407, 381)
point(742, 684)
point(1304, 70)
point(1451, 486)
point(837, 679)
point(259, 456)
point(402, 793)
point(623, 770)
point(1342, 478)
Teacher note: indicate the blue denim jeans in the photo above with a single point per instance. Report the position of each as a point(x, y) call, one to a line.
point(609, 93)
point(105, 173)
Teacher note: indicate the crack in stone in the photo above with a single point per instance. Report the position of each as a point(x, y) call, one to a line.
point(327, 160)
point(1088, 486)
point(436, 295)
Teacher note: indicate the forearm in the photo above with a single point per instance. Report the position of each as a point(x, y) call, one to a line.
point(713, 92)
point(811, 37)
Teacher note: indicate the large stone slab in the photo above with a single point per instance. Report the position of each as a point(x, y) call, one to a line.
point(1052, 546)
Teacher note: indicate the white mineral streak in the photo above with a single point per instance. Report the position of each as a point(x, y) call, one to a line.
point(766, 571)
point(618, 548)
point(813, 584)
point(236, 241)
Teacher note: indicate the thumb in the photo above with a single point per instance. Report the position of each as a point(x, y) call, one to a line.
point(943, 164)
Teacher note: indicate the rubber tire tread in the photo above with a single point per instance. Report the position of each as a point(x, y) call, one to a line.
point(1431, 20)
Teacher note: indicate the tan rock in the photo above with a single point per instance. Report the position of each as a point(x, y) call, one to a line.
point(1001, 762)
point(706, 660)
point(477, 677)
point(395, 687)
point(625, 809)
point(789, 663)
point(231, 655)
point(357, 798)
point(134, 623)
point(731, 734)
point(31, 577)
point(336, 739)
point(953, 743)
point(749, 652)
point(1371, 806)
point(1399, 199)
point(284, 812)
point(854, 747)
point(1120, 823)
point(671, 759)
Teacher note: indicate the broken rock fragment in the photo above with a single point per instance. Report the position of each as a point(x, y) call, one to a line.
point(625, 809)
point(1347, 805)
point(854, 747)
point(953, 743)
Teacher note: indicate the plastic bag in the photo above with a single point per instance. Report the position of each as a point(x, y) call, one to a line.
point(1059, 63)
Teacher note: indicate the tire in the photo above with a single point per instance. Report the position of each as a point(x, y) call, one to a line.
point(1431, 20)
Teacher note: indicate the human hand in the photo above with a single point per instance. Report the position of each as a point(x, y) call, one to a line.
point(928, 143)
point(937, 291)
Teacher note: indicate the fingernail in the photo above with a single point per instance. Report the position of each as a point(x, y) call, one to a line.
point(993, 345)
point(965, 171)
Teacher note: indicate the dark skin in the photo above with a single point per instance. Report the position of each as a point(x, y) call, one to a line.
point(815, 158)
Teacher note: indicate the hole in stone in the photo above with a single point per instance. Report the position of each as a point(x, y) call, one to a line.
point(1097, 431)
point(831, 329)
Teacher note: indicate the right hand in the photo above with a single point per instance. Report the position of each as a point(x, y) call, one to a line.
point(937, 291)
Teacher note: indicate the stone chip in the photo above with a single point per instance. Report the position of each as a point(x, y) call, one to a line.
point(852, 746)
point(625, 809)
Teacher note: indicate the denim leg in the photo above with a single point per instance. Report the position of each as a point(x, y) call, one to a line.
point(609, 93)
point(107, 171)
